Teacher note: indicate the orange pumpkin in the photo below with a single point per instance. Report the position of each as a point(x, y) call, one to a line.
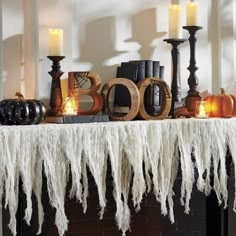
point(234, 109)
point(223, 105)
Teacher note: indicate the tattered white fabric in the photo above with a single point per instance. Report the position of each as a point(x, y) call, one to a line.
point(144, 157)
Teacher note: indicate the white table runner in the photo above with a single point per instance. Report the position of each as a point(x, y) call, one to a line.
point(26, 150)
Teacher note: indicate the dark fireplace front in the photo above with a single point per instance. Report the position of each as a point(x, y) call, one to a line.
point(206, 218)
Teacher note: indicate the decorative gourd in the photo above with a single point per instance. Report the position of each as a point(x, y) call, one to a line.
point(21, 111)
point(234, 109)
point(222, 105)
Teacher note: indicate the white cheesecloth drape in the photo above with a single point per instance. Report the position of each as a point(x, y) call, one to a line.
point(149, 151)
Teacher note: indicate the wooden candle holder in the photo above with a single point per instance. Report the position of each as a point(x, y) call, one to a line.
point(193, 95)
point(56, 94)
point(175, 84)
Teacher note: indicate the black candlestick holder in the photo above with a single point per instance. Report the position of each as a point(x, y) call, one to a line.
point(175, 83)
point(56, 94)
point(193, 94)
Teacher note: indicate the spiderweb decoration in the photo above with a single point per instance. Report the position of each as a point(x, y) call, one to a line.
point(80, 79)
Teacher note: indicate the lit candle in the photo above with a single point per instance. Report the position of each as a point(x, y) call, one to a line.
point(201, 109)
point(175, 29)
point(55, 42)
point(192, 13)
point(70, 107)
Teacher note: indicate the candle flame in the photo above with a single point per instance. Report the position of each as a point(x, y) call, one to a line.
point(175, 6)
point(202, 111)
point(55, 30)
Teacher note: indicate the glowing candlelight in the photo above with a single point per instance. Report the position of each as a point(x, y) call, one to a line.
point(70, 107)
point(201, 109)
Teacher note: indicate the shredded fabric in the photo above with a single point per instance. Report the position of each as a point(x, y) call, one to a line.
point(145, 157)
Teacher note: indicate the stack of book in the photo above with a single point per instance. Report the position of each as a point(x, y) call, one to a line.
point(136, 71)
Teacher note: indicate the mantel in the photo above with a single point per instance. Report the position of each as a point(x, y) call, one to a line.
point(149, 151)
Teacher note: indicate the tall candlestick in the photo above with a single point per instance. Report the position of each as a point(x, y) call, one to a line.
point(175, 83)
point(175, 29)
point(193, 95)
point(55, 42)
point(56, 94)
point(192, 13)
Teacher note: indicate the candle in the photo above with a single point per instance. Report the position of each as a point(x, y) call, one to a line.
point(201, 109)
point(175, 29)
point(55, 42)
point(70, 107)
point(192, 13)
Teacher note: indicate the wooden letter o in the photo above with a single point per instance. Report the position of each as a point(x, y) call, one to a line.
point(165, 99)
point(134, 94)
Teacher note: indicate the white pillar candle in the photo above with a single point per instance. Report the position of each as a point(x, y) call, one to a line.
point(192, 13)
point(55, 42)
point(175, 28)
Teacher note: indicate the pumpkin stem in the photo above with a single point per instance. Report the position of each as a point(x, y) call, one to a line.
point(222, 91)
point(19, 95)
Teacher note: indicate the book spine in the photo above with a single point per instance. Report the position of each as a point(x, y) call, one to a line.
point(129, 71)
point(121, 96)
point(148, 68)
point(149, 95)
point(161, 73)
point(141, 70)
point(156, 69)
point(118, 72)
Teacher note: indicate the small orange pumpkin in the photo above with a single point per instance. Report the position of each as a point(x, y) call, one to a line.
point(234, 109)
point(223, 105)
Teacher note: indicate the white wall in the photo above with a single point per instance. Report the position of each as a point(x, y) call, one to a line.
point(31, 49)
point(11, 19)
point(12, 25)
point(227, 41)
point(99, 35)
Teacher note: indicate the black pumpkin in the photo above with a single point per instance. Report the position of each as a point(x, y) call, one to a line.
point(22, 111)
